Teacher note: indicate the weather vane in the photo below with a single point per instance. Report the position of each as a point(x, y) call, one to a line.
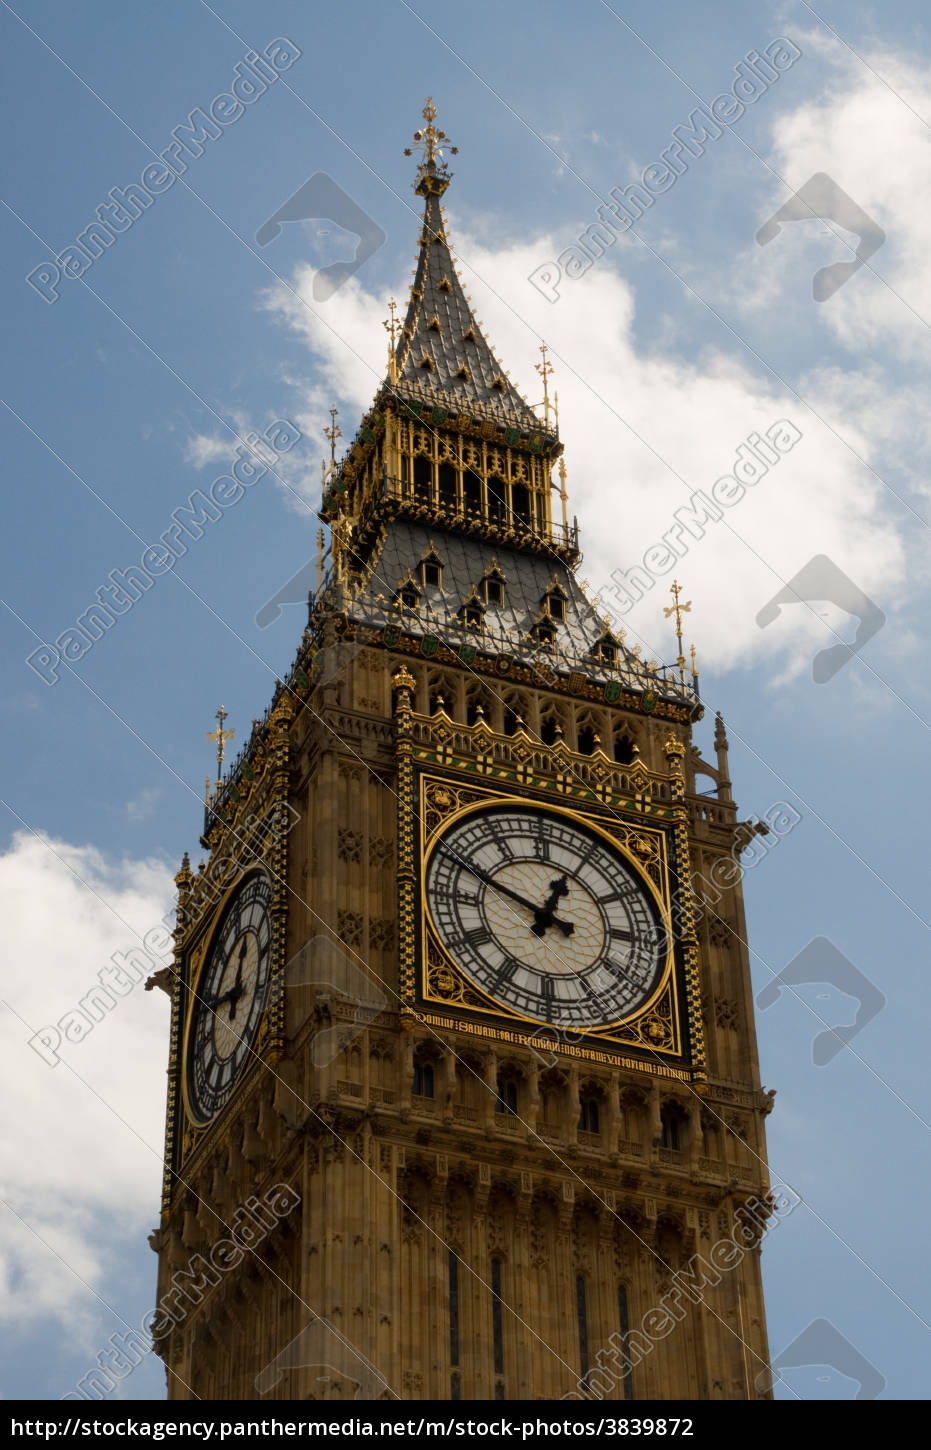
point(429, 136)
point(332, 433)
point(678, 609)
point(220, 736)
point(545, 369)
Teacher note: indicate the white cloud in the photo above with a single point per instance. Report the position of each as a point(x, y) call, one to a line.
point(863, 133)
point(87, 1182)
point(142, 805)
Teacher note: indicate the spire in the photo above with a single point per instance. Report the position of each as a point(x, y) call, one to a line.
point(441, 354)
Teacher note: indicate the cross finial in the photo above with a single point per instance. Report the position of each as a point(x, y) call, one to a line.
point(677, 608)
point(545, 369)
point(332, 433)
point(220, 736)
point(428, 137)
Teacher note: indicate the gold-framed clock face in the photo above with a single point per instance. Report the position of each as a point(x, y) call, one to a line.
point(545, 915)
point(230, 997)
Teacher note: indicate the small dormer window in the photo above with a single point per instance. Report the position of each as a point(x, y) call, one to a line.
point(494, 589)
point(427, 362)
point(469, 335)
point(499, 383)
point(472, 612)
point(546, 632)
point(431, 570)
point(556, 605)
point(463, 373)
point(444, 285)
point(409, 595)
point(606, 651)
point(434, 324)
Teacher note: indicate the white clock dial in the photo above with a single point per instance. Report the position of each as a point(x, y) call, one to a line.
point(230, 997)
point(545, 916)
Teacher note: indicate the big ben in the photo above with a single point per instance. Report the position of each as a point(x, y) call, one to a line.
point(463, 1094)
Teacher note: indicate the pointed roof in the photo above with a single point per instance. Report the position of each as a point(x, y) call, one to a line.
point(442, 355)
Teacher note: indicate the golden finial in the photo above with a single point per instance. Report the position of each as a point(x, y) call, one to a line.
point(563, 496)
point(220, 736)
point(428, 137)
point(678, 609)
point(319, 559)
point(207, 793)
point(332, 433)
point(545, 369)
point(694, 670)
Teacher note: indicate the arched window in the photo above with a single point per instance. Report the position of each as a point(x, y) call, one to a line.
point(623, 749)
point(587, 740)
point(550, 730)
point(423, 1079)
point(588, 1115)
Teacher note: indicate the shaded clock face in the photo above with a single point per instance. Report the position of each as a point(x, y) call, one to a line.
point(231, 993)
point(545, 916)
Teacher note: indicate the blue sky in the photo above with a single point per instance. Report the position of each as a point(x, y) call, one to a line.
point(135, 387)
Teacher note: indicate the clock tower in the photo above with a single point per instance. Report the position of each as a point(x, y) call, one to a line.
point(463, 1096)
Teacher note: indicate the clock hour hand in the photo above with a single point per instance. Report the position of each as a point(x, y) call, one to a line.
point(236, 990)
point(543, 914)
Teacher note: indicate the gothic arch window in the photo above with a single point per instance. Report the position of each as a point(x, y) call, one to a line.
point(623, 748)
point(478, 701)
point(588, 740)
point(424, 1079)
point(552, 728)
